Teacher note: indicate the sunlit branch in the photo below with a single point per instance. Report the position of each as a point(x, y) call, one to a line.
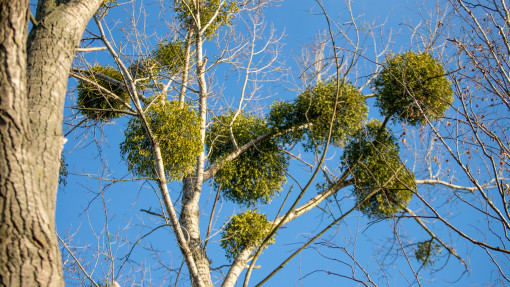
point(158, 159)
point(450, 250)
point(91, 49)
point(216, 166)
point(335, 222)
point(440, 182)
point(77, 262)
point(467, 172)
point(462, 234)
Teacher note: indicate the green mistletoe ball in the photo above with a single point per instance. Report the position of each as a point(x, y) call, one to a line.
point(249, 228)
point(97, 104)
point(208, 8)
point(412, 87)
point(312, 112)
point(256, 175)
point(177, 131)
point(427, 252)
point(372, 156)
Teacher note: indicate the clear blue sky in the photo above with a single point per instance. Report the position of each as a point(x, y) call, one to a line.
point(93, 153)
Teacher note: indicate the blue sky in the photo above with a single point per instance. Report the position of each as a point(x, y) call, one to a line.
point(94, 159)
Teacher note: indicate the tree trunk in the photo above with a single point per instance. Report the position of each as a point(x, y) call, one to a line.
point(189, 221)
point(33, 80)
point(192, 186)
point(237, 267)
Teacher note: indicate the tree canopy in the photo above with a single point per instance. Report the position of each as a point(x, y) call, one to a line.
point(206, 148)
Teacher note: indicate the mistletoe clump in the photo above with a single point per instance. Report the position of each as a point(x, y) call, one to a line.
point(170, 56)
point(412, 87)
point(283, 118)
point(372, 156)
point(185, 11)
point(312, 112)
point(249, 228)
point(96, 103)
point(63, 172)
point(427, 252)
point(177, 131)
point(103, 9)
point(144, 70)
point(257, 175)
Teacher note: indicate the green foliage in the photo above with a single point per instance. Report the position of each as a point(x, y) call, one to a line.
point(96, 104)
point(316, 106)
point(178, 132)
point(103, 9)
point(170, 56)
point(411, 83)
point(167, 57)
point(284, 116)
point(258, 174)
point(373, 158)
point(246, 229)
point(62, 173)
point(427, 251)
point(144, 70)
point(208, 8)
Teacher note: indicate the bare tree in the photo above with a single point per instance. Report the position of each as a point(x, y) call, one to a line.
point(439, 147)
point(474, 136)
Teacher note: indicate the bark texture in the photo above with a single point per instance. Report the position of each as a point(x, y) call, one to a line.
point(192, 186)
point(33, 80)
point(189, 221)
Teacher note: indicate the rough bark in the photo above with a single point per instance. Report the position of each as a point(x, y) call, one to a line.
point(189, 221)
point(33, 80)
